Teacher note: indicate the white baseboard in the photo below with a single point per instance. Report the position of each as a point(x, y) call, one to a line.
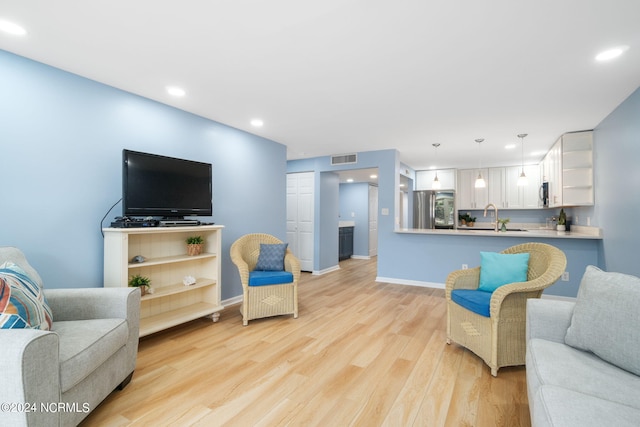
point(558, 297)
point(232, 301)
point(410, 282)
point(360, 257)
point(325, 271)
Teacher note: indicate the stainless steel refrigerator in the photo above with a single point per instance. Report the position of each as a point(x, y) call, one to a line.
point(434, 209)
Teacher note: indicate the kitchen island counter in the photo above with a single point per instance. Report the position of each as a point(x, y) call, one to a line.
point(590, 233)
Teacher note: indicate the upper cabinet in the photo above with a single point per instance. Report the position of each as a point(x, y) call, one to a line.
point(525, 196)
point(568, 168)
point(502, 189)
point(577, 169)
point(468, 196)
point(447, 178)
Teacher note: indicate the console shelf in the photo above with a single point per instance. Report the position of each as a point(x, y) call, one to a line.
point(166, 264)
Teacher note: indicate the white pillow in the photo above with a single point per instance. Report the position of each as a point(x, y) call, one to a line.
point(606, 318)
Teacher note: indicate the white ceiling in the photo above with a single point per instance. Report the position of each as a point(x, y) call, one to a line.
point(341, 76)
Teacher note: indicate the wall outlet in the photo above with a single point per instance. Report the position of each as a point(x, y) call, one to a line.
point(565, 276)
point(465, 266)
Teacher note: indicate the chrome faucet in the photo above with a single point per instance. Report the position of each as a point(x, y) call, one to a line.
point(496, 210)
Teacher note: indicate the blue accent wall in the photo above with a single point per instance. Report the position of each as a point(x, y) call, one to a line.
point(62, 138)
point(617, 186)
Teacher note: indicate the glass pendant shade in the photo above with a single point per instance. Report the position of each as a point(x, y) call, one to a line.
point(480, 183)
point(436, 185)
point(522, 179)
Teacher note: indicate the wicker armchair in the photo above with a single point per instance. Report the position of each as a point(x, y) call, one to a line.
point(500, 338)
point(266, 300)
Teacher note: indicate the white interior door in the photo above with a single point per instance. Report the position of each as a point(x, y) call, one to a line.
point(300, 217)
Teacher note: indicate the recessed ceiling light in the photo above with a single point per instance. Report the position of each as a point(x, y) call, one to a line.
point(12, 28)
point(257, 123)
point(350, 180)
point(611, 53)
point(175, 91)
point(510, 146)
point(374, 176)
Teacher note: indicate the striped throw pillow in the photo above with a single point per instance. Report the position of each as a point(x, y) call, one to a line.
point(22, 302)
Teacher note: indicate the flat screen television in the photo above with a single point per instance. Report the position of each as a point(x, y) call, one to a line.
point(154, 185)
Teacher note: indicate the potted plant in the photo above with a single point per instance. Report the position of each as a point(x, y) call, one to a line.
point(194, 245)
point(466, 219)
point(141, 282)
point(471, 220)
point(503, 223)
point(562, 221)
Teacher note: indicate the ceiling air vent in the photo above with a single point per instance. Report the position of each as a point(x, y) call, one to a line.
point(344, 159)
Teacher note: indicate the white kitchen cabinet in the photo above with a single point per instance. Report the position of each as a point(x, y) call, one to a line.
point(577, 169)
point(447, 178)
point(568, 168)
point(552, 173)
point(467, 195)
point(496, 183)
point(526, 196)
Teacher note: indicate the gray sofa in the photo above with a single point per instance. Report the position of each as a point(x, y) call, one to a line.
point(56, 377)
point(583, 357)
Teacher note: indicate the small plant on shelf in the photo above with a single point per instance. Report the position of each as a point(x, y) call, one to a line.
point(194, 245)
point(141, 282)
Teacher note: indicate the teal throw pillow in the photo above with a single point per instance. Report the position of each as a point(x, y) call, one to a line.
point(271, 257)
point(500, 269)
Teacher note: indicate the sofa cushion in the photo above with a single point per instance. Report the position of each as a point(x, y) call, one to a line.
point(264, 278)
point(473, 300)
point(558, 406)
point(557, 364)
point(606, 318)
point(22, 302)
point(87, 344)
point(271, 256)
point(501, 269)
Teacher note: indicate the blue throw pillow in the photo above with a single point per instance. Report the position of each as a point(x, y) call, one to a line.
point(500, 269)
point(271, 257)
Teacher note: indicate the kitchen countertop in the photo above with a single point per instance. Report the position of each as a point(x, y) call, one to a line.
point(577, 232)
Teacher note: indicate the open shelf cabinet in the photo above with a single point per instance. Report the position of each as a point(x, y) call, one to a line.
point(166, 264)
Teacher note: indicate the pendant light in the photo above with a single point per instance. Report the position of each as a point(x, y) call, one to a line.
point(480, 182)
point(436, 182)
point(522, 179)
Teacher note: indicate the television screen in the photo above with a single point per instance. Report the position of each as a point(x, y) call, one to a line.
point(154, 185)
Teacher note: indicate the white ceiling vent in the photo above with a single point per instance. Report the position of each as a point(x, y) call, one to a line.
point(344, 159)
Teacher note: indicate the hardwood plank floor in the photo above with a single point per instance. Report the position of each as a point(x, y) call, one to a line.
point(360, 354)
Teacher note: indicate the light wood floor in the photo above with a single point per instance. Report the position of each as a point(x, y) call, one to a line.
point(361, 353)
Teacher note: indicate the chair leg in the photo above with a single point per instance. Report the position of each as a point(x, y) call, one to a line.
point(125, 382)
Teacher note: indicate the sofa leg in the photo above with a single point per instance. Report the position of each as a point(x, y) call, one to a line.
point(124, 382)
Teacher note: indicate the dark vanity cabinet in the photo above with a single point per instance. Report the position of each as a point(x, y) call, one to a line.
point(345, 238)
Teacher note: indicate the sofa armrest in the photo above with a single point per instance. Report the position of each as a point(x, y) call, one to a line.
point(30, 375)
point(548, 319)
point(93, 303)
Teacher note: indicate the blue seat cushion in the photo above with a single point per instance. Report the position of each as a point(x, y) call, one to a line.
point(473, 300)
point(264, 278)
